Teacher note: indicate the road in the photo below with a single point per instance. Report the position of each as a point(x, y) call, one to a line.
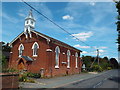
point(106, 79)
point(109, 79)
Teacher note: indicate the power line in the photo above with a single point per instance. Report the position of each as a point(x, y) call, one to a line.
point(55, 24)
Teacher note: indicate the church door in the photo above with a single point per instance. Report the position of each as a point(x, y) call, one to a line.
point(21, 65)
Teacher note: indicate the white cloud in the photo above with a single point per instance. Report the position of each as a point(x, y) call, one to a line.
point(79, 46)
point(10, 18)
point(102, 47)
point(92, 3)
point(21, 14)
point(84, 52)
point(101, 51)
point(67, 17)
point(83, 36)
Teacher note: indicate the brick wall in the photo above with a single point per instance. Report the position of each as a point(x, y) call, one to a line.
point(9, 80)
point(45, 60)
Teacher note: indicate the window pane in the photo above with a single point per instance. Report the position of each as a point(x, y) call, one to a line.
point(35, 49)
point(20, 51)
point(57, 56)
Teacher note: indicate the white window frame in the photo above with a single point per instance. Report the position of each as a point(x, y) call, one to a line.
point(35, 55)
point(19, 49)
point(68, 58)
point(57, 56)
point(76, 60)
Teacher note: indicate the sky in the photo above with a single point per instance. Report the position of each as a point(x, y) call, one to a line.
point(92, 22)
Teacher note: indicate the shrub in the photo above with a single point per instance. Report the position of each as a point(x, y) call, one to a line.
point(109, 68)
point(23, 77)
point(30, 81)
point(33, 75)
point(9, 70)
point(97, 68)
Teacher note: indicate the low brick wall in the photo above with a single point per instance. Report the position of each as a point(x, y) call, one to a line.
point(9, 80)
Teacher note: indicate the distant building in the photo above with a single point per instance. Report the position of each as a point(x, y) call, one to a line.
point(38, 53)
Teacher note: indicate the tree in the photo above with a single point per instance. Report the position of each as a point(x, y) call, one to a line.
point(114, 62)
point(4, 54)
point(6, 47)
point(118, 26)
point(103, 64)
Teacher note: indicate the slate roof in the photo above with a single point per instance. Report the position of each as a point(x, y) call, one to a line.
point(27, 58)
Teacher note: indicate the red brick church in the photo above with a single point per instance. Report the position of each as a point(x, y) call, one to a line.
point(35, 52)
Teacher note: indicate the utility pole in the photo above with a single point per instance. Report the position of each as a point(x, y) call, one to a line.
point(98, 56)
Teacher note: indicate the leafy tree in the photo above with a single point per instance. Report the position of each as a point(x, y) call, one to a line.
point(118, 22)
point(4, 61)
point(114, 62)
point(104, 63)
point(6, 47)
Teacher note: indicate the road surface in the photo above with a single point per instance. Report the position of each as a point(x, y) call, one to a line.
point(106, 79)
point(110, 79)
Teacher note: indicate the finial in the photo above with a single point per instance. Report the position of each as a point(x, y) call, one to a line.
point(30, 13)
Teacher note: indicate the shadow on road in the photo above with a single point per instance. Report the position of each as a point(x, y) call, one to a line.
point(115, 79)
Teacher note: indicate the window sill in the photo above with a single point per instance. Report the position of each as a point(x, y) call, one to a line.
point(19, 56)
point(34, 55)
point(68, 67)
point(56, 67)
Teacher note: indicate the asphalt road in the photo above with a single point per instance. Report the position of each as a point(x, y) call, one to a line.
point(109, 79)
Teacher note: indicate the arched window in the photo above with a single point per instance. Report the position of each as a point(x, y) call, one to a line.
point(35, 49)
point(57, 51)
point(21, 48)
point(76, 55)
point(68, 58)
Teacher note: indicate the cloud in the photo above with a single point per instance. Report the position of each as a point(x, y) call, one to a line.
point(67, 17)
point(84, 52)
point(21, 15)
point(83, 36)
point(92, 3)
point(79, 46)
point(9, 18)
point(101, 52)
point(102, 47)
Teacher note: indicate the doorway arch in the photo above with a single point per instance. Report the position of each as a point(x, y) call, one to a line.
point(21, 65)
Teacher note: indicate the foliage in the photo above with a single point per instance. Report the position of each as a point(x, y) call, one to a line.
point(30, 80)
point(6, 47)
point(4, 61)
point(23, 77)
point(97, 68)
point(33, 75)
point(103, 62)
point(8, 70)
point(109, 68)
point(114, 63)
point(118, 22)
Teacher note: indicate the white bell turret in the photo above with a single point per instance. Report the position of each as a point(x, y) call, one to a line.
point(29, 24)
